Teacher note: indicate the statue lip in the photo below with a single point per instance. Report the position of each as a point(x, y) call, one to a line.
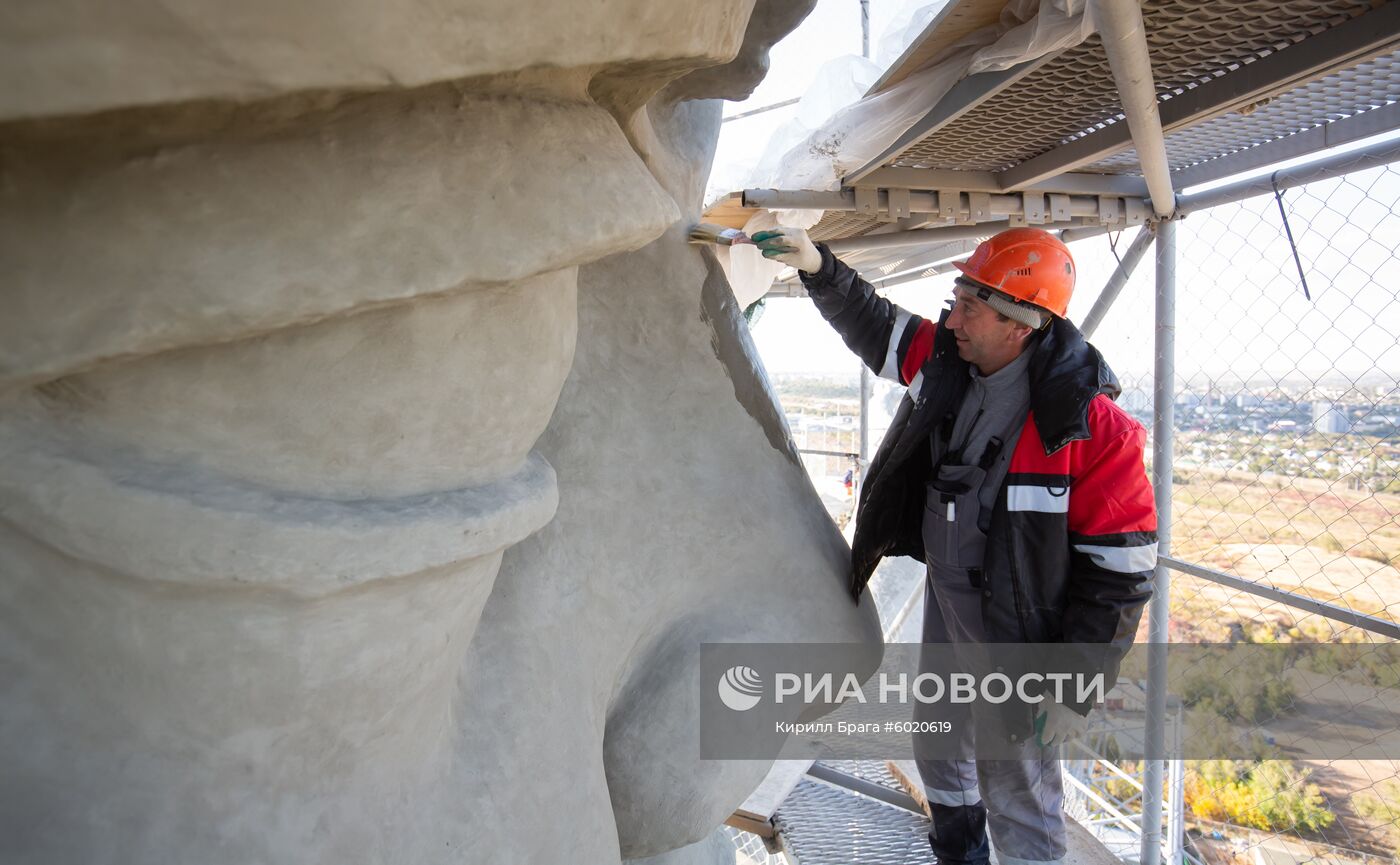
point(138, 518)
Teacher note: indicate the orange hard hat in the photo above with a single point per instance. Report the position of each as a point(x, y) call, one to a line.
point(1029, 264)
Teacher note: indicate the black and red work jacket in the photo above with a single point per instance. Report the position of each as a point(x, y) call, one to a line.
point(1072, 543)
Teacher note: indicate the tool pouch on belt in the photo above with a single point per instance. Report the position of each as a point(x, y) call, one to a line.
point(952, 537)
point(955, 530)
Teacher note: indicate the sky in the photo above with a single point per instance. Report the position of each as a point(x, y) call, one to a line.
point(1241, 312)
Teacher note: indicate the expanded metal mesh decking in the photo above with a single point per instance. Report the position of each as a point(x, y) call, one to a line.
point(825, 825)
point(1365, 86)
point(843, 223)
point(1190, 41)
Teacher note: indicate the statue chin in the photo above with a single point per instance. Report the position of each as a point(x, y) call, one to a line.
point(377, 453)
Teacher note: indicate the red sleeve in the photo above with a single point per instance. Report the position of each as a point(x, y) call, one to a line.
point(919, 348)
point(1112, 494)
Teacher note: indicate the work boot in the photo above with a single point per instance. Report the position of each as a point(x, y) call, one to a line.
point(958, 834)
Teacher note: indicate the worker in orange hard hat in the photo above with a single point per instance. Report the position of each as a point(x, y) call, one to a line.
point(1010, 472)
point(1025, 276)
point(1025, 270)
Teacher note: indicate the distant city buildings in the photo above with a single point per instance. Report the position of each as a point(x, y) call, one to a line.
point(1327, 418)
point(1269, 428)
point(1136, 400)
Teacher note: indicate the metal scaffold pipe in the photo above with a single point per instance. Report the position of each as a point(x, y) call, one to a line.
point(1381, 153)
point(1159, 608)
point(1117, 280)
point(1070, 235)
point(1125, 41)
point(912, 276)
point(865, 381)
point(919, 202)
point(799, 199)
point(865, 28)
point(926, 236)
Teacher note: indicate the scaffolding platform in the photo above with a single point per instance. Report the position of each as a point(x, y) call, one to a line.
point(821, 823)
point(861, 811)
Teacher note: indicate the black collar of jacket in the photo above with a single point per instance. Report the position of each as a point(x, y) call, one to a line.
point(1066, 373)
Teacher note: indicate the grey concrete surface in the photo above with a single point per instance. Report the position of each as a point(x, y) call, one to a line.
point(125, 239)
point(376, 453)
point(79, 56)
point(685, 517)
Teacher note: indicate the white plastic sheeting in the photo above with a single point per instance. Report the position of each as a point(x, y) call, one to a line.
point(835, 131)
point(836, 80)
point(855, 134)
point(840, 82)
point(903, 29)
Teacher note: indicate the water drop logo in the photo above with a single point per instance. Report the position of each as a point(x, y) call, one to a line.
point(740, 688)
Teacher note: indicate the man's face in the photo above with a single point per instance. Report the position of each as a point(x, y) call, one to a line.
point(984, 338)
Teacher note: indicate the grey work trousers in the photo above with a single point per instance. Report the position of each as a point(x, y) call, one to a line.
point(1019, 800)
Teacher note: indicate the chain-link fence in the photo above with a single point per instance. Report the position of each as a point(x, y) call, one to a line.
point(1286, 474)
point(823, 415)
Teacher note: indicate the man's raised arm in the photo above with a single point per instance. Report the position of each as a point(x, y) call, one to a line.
point(891, 341)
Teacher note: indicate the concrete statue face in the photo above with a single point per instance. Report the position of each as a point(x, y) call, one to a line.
point(376, 453)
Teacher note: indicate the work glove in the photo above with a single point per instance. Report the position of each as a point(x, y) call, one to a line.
point(791, 246)
point(1056, 724)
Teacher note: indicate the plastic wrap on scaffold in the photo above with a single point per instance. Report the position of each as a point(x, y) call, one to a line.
point(906, 25)
point(860, 132)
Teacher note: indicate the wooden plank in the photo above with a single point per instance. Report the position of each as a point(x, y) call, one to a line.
point(730, 212)
point(958, 19)
point(745, 823)
point(907, 774)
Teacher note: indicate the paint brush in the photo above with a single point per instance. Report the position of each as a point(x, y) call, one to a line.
point(708, 232)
